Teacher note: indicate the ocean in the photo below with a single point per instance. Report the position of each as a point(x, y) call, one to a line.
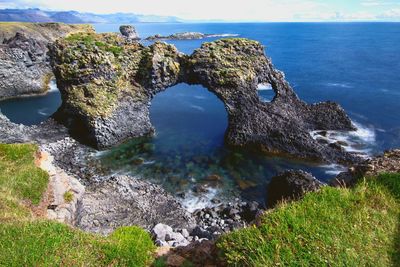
point(354, 64)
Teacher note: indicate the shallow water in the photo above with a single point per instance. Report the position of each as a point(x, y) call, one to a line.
point(354, 64)
point(32, 110)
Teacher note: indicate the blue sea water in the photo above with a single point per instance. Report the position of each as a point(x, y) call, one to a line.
point(354, 64)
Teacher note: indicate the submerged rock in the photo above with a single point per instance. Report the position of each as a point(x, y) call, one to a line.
point(107, 84)
point(290, 185)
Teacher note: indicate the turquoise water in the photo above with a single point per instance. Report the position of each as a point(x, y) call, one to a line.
point(354, 64)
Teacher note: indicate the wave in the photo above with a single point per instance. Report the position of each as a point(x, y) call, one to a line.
point(359, 141)
point(333, 169)
point(199, 97)
point(223, 35)
point(43, 112)
point(264, 87)
point(341, 85)
point(53, 86)
point(197, 107)
point(194, 202)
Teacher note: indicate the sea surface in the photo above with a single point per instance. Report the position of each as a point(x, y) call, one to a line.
point(354, 64)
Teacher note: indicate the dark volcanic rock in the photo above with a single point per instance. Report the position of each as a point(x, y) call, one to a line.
point(389, 162)
point(186, 36)
point(129, 32)
point(24, 65)
point(124, 200)
point(108, 83)
point(290, 185)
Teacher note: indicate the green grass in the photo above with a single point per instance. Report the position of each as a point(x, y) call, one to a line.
point(29, 241)
point(19, 177)
point(68, 196)
point(333, 227)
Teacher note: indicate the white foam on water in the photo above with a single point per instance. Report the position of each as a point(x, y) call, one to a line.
point(53, 86)
point(199, 97)
point(340, 85)
point(194, 202)
point(43, 112)
point(223, 35)
point(264, 87)
point(197, 108)
point(359, 141)
point(333, 169)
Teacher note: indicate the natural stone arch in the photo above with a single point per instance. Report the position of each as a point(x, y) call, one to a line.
point(107, 84)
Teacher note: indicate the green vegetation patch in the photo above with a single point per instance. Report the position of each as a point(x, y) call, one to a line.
point(45, 243)
point(26, 241)
point(333, 227)
point(19, 177)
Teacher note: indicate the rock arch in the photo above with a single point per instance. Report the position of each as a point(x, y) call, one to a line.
point(107, 83)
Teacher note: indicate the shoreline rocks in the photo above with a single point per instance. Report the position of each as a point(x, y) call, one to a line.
point(290, 185)
point(187, 36)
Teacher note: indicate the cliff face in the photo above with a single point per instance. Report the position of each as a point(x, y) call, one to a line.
point(107, 84)
point(24, 65)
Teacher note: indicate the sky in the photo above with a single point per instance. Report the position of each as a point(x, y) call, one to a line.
point(231, 10)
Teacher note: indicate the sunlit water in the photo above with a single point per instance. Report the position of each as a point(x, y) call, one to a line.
point(354, 64)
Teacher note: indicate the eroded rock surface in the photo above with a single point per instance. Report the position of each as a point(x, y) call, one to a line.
point(388, 162)
point(24, 64)
point(290, 185)
point(129, 32)
point(107, 84)
point(124, 200)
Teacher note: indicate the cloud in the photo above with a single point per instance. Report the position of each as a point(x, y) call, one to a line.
point(232, 10)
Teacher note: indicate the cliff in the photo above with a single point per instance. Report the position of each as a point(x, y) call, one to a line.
point(24, 65)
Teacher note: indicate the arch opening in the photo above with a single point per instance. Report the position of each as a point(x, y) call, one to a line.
point(32, 110)
point(265, 92)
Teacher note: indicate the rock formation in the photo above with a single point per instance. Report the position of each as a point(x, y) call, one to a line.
point(107, 84)
point(187, 36)
point(290, 185)
point(388, 162)
point(129, 32)
point(24, 65)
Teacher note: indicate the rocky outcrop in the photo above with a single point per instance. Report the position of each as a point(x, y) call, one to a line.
point(124, 200)
point(24, 65)
point(107, 84)
point(129, 32)
point(388, 162)
point(187, 36)
point(290, 185)
point(64, 191)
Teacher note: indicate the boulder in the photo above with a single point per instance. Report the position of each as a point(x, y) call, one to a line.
point(129, 32)
point(290, 185)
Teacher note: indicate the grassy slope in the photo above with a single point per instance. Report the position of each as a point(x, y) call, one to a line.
point(25, 241)
point(41, 31)
point(334, 227)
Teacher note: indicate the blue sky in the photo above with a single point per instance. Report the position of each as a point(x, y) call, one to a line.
point(232, 10)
